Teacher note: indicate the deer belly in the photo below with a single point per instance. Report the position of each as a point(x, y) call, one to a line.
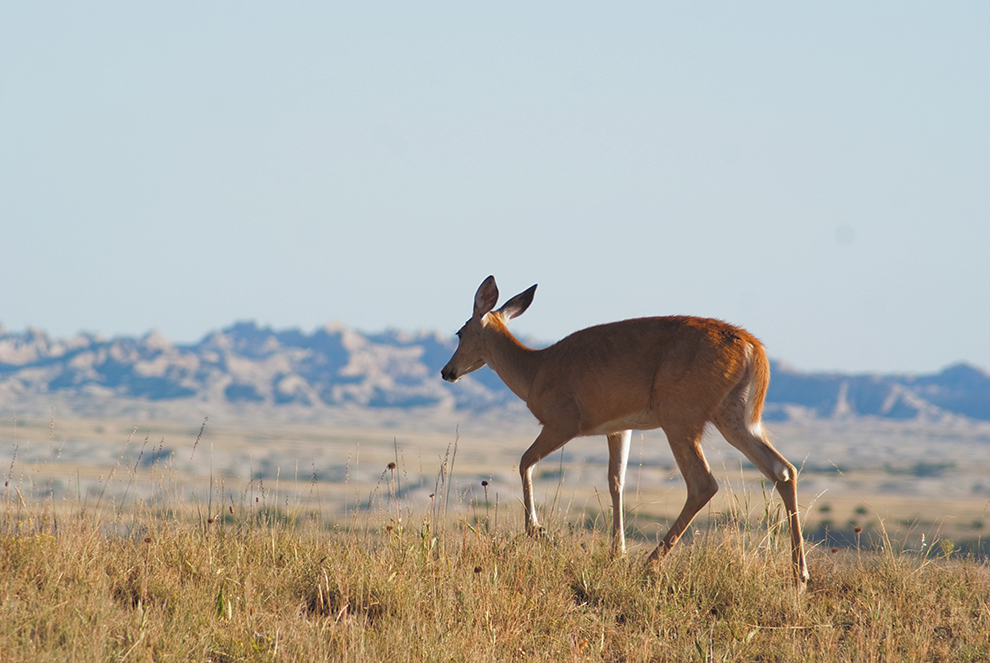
point(641, 420)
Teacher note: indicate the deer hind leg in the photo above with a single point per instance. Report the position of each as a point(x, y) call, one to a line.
point(701, 484)
point(752, 441)
point(618, 457)
point(549, 440)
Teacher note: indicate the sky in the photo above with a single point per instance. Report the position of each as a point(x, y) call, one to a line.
point(815, 173)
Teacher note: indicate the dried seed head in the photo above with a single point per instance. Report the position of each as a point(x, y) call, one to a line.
point(389, 528)
point(231, 508)
point(390, 466)
point(210, 521)
point(477, 569)
point(858, 530)
point(484, 484)
point(835, 550)
point(147, 539)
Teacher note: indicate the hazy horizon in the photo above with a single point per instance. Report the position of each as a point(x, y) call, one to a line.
point(337, 324)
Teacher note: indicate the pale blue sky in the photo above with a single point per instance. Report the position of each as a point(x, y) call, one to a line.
point(818, 175)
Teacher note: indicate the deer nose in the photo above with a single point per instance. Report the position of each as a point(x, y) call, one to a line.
point(448, 374)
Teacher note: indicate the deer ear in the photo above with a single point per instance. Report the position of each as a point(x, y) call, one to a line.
point(486, 297)
point(518, 304)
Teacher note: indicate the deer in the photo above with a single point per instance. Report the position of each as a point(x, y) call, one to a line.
point(677, 373)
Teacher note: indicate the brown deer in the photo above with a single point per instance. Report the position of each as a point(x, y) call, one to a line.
point(675, 373)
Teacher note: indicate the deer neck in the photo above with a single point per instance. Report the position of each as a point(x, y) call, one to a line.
point(512, 361)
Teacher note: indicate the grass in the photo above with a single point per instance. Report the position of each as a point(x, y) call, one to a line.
point(260, 579)
point(270, 591)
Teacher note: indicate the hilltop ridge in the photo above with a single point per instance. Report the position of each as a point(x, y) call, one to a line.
point(338, 366)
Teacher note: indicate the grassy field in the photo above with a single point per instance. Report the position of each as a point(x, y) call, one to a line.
point(267, 586)
point(912, 483)
point(199, 542)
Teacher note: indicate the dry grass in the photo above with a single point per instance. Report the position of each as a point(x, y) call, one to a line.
point(252, 574)
point(264, 586)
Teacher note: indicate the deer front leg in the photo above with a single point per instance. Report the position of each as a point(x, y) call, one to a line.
point(618, 457)
point(548, 441)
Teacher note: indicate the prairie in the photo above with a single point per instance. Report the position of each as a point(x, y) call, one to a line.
point(211, 541)
point(909, 479)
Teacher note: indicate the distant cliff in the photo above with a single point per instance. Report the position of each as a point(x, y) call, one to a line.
point(961, 389)
point(338, 366)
